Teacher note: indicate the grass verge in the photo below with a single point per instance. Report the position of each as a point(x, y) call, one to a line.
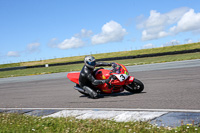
point(108, 55)
point(77, 67)
point(14, 123)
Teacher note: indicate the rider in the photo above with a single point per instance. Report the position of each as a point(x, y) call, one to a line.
point(86, 78)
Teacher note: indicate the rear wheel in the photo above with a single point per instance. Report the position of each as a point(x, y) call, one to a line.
point(135, 87)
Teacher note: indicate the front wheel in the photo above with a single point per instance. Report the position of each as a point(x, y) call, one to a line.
point(135, 87)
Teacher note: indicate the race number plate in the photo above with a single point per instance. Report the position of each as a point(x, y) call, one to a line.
point(121, 77)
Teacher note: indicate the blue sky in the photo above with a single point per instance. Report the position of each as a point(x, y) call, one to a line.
point(44, 29)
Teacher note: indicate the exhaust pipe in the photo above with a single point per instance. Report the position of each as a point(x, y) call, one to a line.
point(79, 89)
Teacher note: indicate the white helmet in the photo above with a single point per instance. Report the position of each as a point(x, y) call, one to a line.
point(90, 62)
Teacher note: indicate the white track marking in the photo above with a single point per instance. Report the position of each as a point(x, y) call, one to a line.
point(116, 114)
point(108, 109)
point(119, 116)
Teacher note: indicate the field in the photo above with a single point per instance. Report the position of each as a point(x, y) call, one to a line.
point(25, 124)
point(107, 55)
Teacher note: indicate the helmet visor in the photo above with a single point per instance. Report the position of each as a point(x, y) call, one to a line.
point(93, 63)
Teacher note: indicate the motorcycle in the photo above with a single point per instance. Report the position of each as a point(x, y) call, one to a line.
point(120, 81)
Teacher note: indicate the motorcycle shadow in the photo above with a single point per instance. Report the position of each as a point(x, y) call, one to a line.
point(115, 94)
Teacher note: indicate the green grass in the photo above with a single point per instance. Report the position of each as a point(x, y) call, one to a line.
point(17, 123)
point(10, 65)
point(160, 59)
point(38, 71)
point(77, 67)
point(108, 55)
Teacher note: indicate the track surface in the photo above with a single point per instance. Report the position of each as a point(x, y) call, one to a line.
point(174, 87)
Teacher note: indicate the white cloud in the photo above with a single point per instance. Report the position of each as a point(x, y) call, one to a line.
point(147, 46)
point(155, 26)
point(111, 32)
point(74, 42)
point(33, 47)
point(175, 42)
point(71, 43)
point(188, 41)
point(171, 43)
point(13, 54)
point(147, 35)
point(176, 14)
point(190, 21)
point(84, 33)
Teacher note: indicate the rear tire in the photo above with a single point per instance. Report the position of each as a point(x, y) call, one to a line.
point(135, 87)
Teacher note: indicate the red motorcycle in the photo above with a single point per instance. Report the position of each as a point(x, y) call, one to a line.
point(119, 82)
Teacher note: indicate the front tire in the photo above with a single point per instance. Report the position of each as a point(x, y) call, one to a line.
point(135, 87)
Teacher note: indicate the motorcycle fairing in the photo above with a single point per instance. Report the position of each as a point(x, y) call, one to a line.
point(116, 85)
point(129, 80)
point(74, 77)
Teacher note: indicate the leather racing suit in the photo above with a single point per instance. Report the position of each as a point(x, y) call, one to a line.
point(86, 77)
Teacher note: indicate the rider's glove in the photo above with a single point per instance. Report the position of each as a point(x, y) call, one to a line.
point(108, 80)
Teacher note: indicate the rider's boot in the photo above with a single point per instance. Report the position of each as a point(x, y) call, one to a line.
point(93, 94)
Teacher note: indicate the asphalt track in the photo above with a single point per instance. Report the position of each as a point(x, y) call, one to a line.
point(173, 85)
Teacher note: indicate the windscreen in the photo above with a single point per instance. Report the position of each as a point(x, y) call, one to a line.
point(118, 69)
